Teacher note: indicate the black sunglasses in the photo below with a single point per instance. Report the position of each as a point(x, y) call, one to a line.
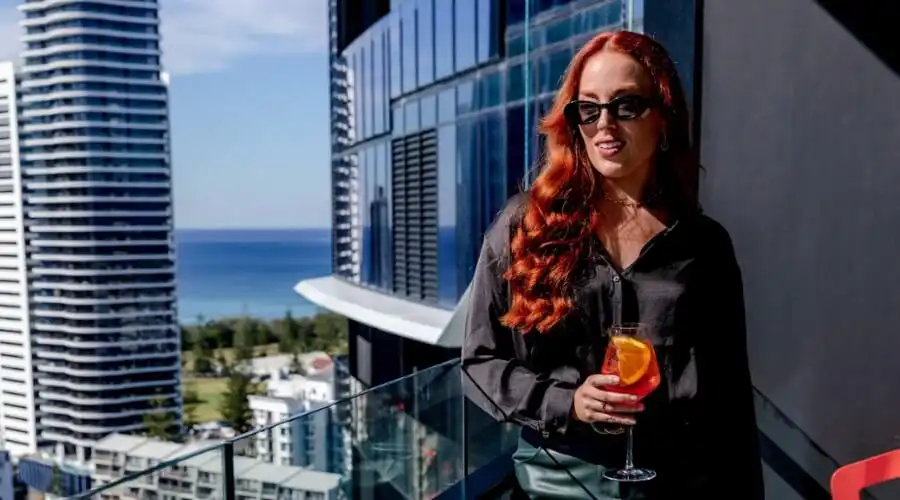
point(625, 107)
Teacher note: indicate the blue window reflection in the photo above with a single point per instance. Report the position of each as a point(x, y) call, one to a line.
point(551, 68)
point(465, 97)
point(558, 31)
point(489, 90)
point(515, 11)
point(374, 210)
point(425, 29)
point(488, 30)
point(395, 59)
point(379, 86)
point(397, 125)
point(482, 185)
point(379, 217)
point(515, 83)
point(428, 111)
point(515, 45)
point(368, 92)
point(447, 105)
point(515, 149)
point(448, 281)
point(603, 16)
point(365, 236)
point(408, 36)
point(443, 38)
point(465, 34)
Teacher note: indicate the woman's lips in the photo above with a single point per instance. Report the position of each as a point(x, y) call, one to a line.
point(609, 149)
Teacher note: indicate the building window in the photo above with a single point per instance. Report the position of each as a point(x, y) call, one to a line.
point(465, 34)
point(408, 35)
point(443, 38)
point(425, 30)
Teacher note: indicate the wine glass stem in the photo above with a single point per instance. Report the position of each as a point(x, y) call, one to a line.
point(629, 441)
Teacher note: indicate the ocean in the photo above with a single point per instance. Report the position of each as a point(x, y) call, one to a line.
point(235, 272)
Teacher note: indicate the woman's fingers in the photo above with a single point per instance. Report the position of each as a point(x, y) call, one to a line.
point(612, 418)
point(599, 394)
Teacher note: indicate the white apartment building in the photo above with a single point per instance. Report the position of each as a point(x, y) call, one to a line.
point(302, 442)
point(95, 176)
point(17, 400)
point(200, 477)
point(307, 441)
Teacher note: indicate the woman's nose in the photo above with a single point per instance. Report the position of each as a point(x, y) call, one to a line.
point(606, 119)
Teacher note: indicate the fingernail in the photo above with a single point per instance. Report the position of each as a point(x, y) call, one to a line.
point(614, 379)
point(633, 398)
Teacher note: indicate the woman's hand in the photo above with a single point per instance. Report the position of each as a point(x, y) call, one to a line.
point(594, 404)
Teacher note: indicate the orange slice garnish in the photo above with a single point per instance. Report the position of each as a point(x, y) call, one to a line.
point(634, 358)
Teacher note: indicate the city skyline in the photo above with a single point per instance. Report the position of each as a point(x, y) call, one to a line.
point(215, 53)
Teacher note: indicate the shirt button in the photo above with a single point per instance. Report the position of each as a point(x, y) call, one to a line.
point(616, 278)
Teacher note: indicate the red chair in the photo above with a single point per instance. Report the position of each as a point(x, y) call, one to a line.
point(848, 481)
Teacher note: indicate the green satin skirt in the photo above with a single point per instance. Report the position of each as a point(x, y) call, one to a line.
point(547, 474)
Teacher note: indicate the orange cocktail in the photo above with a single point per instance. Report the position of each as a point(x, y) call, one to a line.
point(633, 360)
point(631, 357)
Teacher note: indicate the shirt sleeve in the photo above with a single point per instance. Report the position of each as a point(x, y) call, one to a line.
point(494, 377)
point(733, 454)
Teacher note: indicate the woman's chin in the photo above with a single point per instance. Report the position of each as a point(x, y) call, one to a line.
point(613, 170)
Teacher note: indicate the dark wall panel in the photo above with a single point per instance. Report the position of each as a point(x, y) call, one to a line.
point(801, 142)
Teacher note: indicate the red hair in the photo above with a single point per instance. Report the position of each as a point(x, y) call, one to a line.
point(560, 218)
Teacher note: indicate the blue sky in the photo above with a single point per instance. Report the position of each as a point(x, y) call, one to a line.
point(249, 110)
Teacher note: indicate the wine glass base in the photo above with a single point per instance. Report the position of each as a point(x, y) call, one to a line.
point(629, 475)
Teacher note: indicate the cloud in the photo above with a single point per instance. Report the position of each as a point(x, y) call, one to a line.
point(201, 36)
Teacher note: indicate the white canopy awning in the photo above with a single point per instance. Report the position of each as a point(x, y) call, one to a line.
point(416, 321)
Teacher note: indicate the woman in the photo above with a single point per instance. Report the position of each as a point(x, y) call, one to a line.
point(611, 232)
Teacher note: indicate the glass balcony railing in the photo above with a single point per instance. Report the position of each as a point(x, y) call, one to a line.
point(416, 437)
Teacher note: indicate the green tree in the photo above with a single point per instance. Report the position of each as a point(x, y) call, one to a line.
point(56, 482)
point(243, 342)
point(330, 332)
point(216, 335)
point(234, 407)
point(189, 400)
point(203, 363)
point(288, 334)
point(159, 423)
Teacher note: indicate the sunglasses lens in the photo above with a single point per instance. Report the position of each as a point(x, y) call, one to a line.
point(629, 107)
point(588, 112)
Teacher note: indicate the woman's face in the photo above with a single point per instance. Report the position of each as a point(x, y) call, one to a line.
point(619, 147)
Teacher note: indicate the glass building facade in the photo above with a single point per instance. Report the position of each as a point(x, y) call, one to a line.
point(443, 100)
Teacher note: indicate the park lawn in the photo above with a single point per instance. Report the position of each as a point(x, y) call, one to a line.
point(209, 391)
point(187, 357)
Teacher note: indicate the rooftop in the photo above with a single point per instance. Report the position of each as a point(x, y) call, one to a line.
point(244, 468)
point(120, 443)
point(156, 450)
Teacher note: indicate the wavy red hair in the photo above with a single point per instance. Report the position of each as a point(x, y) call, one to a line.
point(560, 217)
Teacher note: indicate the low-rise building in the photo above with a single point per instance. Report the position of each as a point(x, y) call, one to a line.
point(200, 477)
point(303, 441)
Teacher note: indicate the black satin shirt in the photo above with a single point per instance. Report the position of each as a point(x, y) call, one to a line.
point(698, 429)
